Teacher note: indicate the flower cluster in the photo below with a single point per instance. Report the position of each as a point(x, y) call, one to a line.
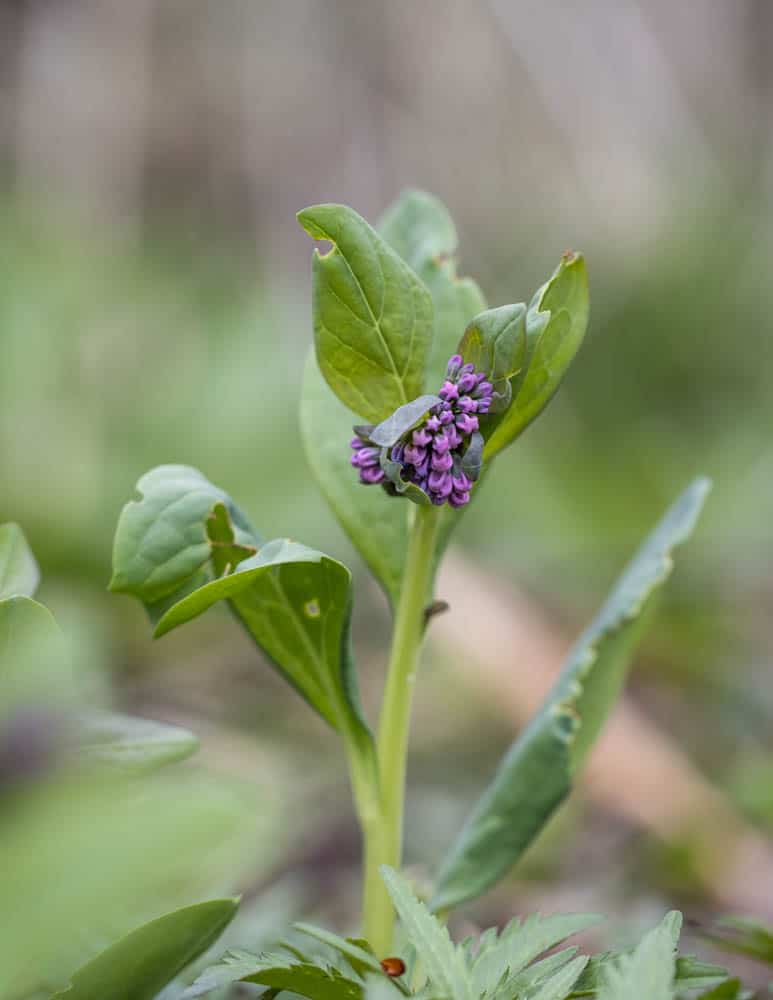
point(431, 454)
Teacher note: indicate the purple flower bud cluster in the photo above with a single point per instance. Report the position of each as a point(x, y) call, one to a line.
point(431, 454)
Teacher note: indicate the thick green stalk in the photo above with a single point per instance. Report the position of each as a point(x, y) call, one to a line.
point(384, 843)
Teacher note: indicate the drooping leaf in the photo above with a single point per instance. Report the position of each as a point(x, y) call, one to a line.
point(141, 964)
point(162, 539)
point(132, 744)
point(394, 474)
point(372, 315)
point(376, 523)
point(295, 602)
point(389, 431)
point(419, 227)
point(649, 970)
point(441, 960)
point(279, 972)
point(19, 574)
point(536, 774)
point(556, 321)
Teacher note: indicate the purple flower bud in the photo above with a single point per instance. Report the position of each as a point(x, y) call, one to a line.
point(467, 369)
point(432, 423)
point(454, 364)
point(449, 391)
point(365, 457)
point(356, 443)
point(442, 463)
point(422, 469)
point(461, 483)
point(397, 452)
point(453, 435)
point(466, 382)
point(372, 476)
point(459, 499)
point(466, 423)
point(484, 405)
point(441, 483)
point(446, 417)
point(421, 437)
point(436, 498)
point(484, 389)
point(414, 455)
point(441, 443)
point(466, 405)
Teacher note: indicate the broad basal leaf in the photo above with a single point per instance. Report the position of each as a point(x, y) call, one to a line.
point(555, 326)
point(19, 575)
point(132, 744)
point(649, 971)
point(443, 963)
point(420, 229)
point(536, 774)
point(372, 315)
point(141, 964)
point(295, 602)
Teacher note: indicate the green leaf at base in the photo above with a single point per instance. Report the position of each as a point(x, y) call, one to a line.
point(372, 315)
point(536, 774)
point(141, 964)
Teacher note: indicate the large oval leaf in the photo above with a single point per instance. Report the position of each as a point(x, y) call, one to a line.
point(536, 774)
point(19, 574)
point(556, 322)
point(419, 227)
point(372, 315)
point(141, 964)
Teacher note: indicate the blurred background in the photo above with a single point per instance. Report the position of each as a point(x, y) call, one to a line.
point(155, 307)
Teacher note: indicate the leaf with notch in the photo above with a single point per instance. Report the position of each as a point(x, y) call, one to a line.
point(372, 315)
point(132, 744)
point(537, 772)
point(19, 574)
point(442, 961)
point(556, 321)
point(420, 229)
point(141, 964)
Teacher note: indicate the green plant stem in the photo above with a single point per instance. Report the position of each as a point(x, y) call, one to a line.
point(384, 842)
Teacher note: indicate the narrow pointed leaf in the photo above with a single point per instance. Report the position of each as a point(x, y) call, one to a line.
point(649, 971)
point(537, 772)
point(141, 964)
point(19, 574)
point(419, 227)
point(372, 315)
point(132, 744)
point(560, 984)
point(555, 327)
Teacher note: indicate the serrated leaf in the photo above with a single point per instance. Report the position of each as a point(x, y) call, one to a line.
point(376, 523)
point(690, 974)
point(536, 774)
point(520, 943)
point(649, 970)
point(162, 539)
point(372, 315)
point(556, 321)
point(560, 984)
point(19, 574)
point(304, 978)
point(360, 958)
point(420, 229)
point(128, 743)
point(139, 965)
point(442, 962)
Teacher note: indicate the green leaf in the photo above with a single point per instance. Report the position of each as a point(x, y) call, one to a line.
point(520, 943)
point(19, 574)
point(372, 315)
point(294, 602)
point(420, 229)
point(443, 963)
point(743, 936)
point(555, 327)
point(355, 954)
point(376, 523)
point(132, 744)
point(690, 974)
point(389, 431)
point(649, 970)
point(495, 342)
point(536, 774)
point(279, 972)
point(139, 965)
point(162, 540)
point(731, 989)
point(560, 984)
